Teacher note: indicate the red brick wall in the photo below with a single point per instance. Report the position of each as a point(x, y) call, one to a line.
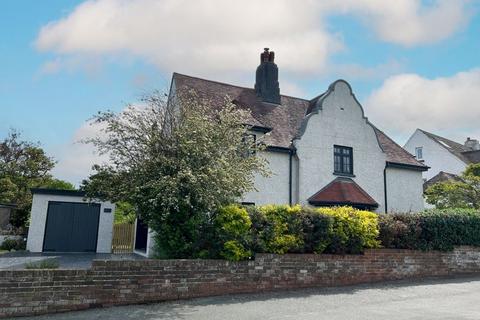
point(27, 292)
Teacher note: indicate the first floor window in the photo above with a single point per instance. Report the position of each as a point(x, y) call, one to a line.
point(343, 159)
point(419, 153)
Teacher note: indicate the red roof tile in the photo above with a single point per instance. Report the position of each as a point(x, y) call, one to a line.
point(342, 191)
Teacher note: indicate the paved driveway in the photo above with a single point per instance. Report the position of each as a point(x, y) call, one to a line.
point(17, 260)
point(437, 299)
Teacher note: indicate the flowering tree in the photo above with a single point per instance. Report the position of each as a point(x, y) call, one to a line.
point(177, 163)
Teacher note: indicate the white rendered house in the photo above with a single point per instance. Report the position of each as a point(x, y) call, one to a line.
point(446, 158)
point(322, 151)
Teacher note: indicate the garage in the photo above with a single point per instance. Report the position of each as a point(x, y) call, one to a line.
point(66, 221)
point(71, 227)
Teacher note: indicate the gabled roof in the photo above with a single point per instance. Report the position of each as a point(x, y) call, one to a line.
point(455, 148)
point(284, 120)
point(342, 191)
point(442, 176)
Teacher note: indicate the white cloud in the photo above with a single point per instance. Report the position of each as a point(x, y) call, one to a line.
point(444, 105)
point(75, 159)
point(210, 37)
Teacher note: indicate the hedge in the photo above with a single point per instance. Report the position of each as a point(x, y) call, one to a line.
point(431, 229)
point(294, 229)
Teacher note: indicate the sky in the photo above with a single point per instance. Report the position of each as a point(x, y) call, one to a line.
point(411, 63)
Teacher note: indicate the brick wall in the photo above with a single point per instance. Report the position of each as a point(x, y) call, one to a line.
point(108, 283)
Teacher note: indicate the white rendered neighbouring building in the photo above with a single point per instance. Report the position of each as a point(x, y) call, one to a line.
point(446, 158)
point(321, 151)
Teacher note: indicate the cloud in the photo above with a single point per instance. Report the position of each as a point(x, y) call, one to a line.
point(444, 105)
point(212, 37)
point(75, 159)
point(408, 22)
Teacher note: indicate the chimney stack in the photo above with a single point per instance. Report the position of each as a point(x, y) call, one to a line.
point(472, 144)
point(266, 80)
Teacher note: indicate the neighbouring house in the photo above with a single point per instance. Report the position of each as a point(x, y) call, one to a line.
point(65, 221)
point(446, 158)
point(322, 151)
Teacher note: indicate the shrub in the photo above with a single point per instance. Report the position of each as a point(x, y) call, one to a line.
point(232, 224)
point(353, 230)
point(317, 230)
point(431, 229)
point(277, 229)
point(43, 264)
point(10, 244)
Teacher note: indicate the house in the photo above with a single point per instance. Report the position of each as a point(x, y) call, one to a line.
point(322, 151)
point(65, 221)
point(446, 158)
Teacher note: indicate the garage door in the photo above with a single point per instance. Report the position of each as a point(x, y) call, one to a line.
point(71, 227)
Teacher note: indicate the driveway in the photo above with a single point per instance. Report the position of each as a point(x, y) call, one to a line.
point(17, 260)
point(436, 299)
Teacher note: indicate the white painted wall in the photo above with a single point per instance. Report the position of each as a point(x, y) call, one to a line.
point(340, 122)
point(36, 231)
point(404, 190)
point(435, 156)
point(275, 188)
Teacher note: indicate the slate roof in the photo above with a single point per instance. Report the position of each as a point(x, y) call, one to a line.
point(459, 150)
point(342, 191)
point(442, 176)
point(284, 120)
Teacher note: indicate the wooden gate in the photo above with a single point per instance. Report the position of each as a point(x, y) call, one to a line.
point(123, 238)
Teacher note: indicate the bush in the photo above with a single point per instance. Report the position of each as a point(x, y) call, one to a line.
point(43, 264)
point(317, 230)
point(431, 229)
point(277, 228)
point(352, 231)
point(232, 225)
point(13, 244)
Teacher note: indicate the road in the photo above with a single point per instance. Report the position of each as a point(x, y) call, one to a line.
point(434, 299)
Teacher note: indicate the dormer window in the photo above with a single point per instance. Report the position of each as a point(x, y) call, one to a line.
point(343, 160)
point(419, 153)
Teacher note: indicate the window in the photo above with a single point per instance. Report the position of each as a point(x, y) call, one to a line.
point(343, 160)
point(249, 145)
point(419, 153)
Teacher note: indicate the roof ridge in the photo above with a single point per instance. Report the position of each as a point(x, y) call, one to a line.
point(232, 85)
point(438, 136)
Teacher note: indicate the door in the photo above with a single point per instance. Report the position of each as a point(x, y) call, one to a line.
point(71, 227)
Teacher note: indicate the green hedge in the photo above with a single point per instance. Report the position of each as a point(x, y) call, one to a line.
point(293, 229)
point(431, 229)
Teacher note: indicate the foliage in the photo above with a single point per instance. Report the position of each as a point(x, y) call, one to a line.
point(464, 193)
point(10, 244)
point(277, 228)
point(43, 264)
point(431, 230)
point(24, 165)
point(177, 163)
point(353, 230)
point(232, 227)
point(124, 213)
point(317, 230)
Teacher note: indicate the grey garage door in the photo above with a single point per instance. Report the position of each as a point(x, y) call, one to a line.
point(71, 227)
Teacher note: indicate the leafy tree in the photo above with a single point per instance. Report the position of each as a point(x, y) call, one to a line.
point(464, 193)
point(177, 162)
point(24, 165)
point(124, 213)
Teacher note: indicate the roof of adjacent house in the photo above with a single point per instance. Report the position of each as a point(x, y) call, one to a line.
point(283, 121)
point(442, 176)
point(462, 152)
point(342, 191)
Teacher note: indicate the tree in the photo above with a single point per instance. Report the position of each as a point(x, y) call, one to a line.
point(24, 165)
point(464, 193)
point(176, 163)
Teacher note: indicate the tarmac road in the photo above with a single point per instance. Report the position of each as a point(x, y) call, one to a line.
point(434, 299)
